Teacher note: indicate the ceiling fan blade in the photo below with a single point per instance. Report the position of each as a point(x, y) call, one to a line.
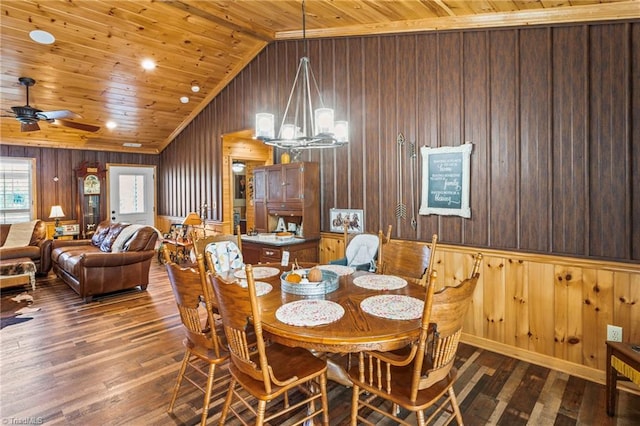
point(61, 113)
point(78, 126)
point(29, 127)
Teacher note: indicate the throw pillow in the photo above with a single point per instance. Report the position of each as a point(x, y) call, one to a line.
point(123, 237)
point(114, 231)
point(100, 233)
point(225, 256)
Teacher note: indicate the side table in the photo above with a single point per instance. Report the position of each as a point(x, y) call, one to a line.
point(17, 271)
point(623, 359)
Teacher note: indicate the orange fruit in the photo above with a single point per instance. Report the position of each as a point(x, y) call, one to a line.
point(293, 278)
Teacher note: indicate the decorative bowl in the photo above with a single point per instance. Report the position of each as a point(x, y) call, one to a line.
point(328, 284)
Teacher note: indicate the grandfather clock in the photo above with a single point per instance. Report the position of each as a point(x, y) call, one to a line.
point(91, 206)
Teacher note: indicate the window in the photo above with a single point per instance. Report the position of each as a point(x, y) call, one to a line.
point(131, 194)
point(17, 181)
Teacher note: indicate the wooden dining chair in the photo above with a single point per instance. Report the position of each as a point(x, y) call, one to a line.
point(225, 250)
point(411, 260)
point(201, 242)
point(265, 372)
point(202, 342)
point(432, 261)
point(421, 375)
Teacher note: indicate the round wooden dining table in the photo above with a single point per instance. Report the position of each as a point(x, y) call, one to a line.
point(355, 331)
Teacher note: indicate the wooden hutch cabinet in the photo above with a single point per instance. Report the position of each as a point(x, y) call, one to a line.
point(290, 191)
point(91, 202)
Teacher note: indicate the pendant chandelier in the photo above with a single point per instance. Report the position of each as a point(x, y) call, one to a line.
point(303, 127)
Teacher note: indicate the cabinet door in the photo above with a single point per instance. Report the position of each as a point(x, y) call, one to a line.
point(251, 253)
point(90, 213)
point(259, 184)
point(261, 217)
point(292, 177)
point(259, 200)
point(274, 183)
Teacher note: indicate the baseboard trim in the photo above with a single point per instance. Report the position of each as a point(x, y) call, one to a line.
point(588, 373)
point(578, 370)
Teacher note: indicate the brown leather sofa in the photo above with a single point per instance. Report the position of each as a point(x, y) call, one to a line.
point(38, 250)
point(117, 257)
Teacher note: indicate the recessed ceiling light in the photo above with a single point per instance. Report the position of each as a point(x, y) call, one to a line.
point(111, 125)
point(195, 88)
point(148, 64)
point(42, 37)
point(132, 144)
point(184, 100)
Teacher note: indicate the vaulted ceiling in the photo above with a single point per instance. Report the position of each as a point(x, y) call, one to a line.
point(94, 66)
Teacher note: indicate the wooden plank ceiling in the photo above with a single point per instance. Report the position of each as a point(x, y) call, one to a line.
point(93, 68)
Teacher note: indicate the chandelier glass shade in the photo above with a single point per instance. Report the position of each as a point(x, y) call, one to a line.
point(302, 127)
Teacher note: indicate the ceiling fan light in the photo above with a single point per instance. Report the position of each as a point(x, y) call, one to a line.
point(42, 37)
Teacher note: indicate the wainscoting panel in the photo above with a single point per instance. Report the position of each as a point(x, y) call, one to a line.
point(548, 310)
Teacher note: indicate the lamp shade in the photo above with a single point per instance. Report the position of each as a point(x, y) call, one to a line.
point(192, 219)
point(56, 212)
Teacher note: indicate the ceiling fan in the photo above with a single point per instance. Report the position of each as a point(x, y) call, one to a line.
point(29, 116)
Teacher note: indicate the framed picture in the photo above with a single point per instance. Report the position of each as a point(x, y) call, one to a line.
point(240, 192)
point(354, 218)
point(445, 180)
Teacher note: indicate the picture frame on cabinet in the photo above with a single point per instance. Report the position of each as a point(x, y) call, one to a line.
point(354, 217)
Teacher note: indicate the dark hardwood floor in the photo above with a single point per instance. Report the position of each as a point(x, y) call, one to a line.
point(114, 362)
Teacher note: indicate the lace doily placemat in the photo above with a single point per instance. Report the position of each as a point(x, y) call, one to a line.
point(262, 288)
point(258, 272)
point(393, 306)
point(338, 269)
point(309, 312)
point(380, 282)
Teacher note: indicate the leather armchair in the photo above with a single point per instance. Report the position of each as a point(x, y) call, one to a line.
point(38, 250)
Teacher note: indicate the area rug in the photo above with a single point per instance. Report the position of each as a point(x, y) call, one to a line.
point(16, 309)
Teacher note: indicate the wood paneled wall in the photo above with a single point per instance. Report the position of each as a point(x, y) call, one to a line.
point(61, 163)
point(553, 113)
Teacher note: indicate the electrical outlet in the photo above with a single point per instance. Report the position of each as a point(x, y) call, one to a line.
point(614, 333)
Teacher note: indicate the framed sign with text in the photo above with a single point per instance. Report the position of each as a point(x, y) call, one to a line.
point(445, 180)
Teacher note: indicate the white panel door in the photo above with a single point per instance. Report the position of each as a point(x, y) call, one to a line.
point(132, 194)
